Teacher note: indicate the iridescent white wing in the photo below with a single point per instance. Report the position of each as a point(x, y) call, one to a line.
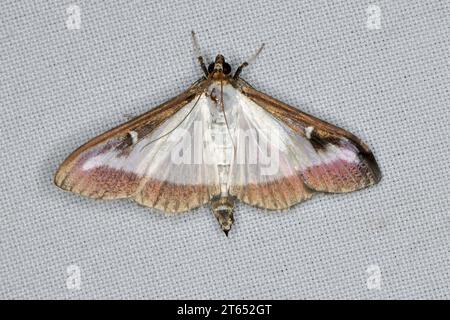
point(281, 160)
point(150, 159)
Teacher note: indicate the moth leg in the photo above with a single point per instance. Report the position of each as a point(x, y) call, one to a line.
point(198, 54)
point(247, 62)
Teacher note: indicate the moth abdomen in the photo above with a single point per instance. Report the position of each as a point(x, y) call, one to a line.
point(223, 208)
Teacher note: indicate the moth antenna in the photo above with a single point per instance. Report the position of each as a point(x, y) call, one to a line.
point(248, 62)
point(198, 53)
point(255, 55)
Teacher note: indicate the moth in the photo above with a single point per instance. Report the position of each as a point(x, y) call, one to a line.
point(220, 141)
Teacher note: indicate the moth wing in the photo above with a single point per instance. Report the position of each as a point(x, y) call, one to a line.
point(265, 169)
point(328, 158)
point(141, 159)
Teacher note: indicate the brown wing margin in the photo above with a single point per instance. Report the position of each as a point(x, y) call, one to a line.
point(143, 125)
point(322, 178)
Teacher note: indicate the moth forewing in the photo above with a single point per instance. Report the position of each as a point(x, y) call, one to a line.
point(109, 166)
point(338, 160)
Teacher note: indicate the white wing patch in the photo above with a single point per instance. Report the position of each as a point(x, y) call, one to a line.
point(264, 168)
point(134, 137)
point(308, 132)
point(173, 152)
point(271, 161)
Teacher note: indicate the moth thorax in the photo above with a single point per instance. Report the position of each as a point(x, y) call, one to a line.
point(223, 211)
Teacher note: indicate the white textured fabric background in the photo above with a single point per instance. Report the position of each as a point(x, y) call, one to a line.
point(61, 87)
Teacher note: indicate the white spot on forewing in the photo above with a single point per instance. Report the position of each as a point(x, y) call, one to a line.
point(308, 131)
point(134, 137)
point(333, 153)
point(348, 155)
point(94, 162)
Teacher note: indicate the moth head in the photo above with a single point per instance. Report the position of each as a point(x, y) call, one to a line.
point(219, 66)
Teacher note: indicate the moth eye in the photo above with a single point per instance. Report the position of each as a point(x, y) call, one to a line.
point(211, 68)
point(226, 68)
